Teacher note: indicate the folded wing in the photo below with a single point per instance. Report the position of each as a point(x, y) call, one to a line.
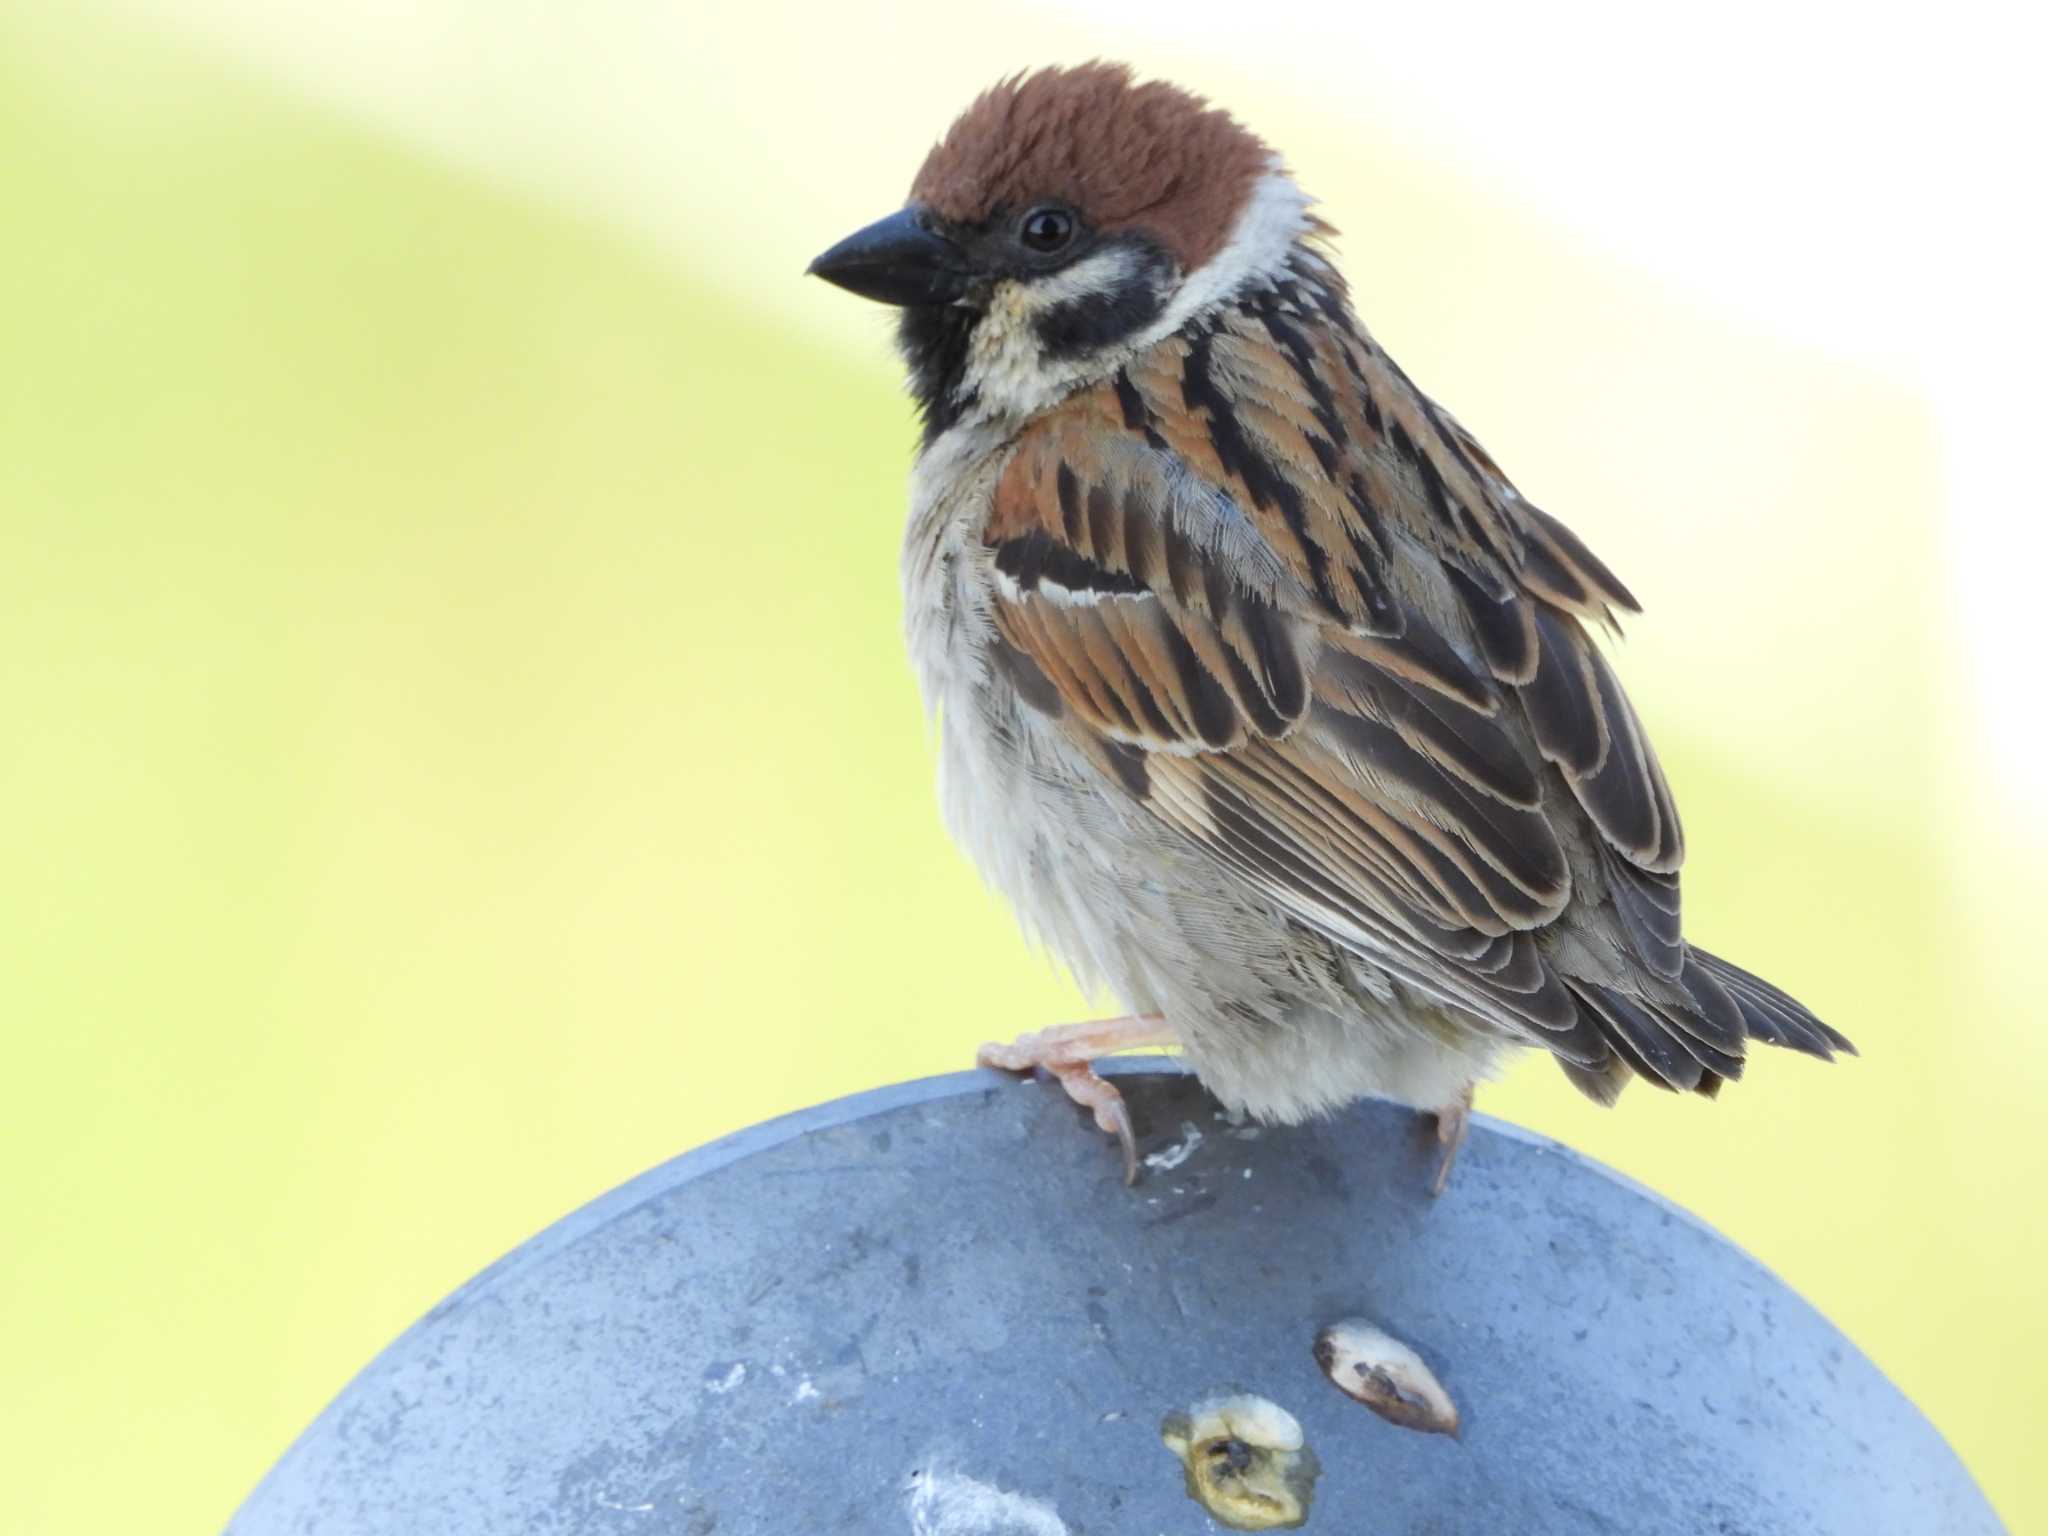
point(1309, 625)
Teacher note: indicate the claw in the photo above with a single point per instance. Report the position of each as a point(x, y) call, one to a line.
point(1066, 1054)
point(1452, 1121)
point(1121, 1129)
point(1111, 1115)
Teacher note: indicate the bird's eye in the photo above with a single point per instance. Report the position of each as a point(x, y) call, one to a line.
point(1046, 230)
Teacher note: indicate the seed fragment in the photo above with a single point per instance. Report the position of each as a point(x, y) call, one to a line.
point(1390, 1378)
point(1245, 1459)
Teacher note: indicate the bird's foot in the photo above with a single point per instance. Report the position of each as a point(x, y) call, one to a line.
point(1452, 1121)
point(1067, 1053)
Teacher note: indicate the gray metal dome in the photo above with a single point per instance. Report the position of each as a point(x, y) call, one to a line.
point(936, 1309)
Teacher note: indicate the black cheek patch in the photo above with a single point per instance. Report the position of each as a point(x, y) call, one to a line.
point(1093, 322)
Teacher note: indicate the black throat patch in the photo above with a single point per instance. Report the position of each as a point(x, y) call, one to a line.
point(933, 341)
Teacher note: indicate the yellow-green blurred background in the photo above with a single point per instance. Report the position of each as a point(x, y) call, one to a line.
point(458, 751)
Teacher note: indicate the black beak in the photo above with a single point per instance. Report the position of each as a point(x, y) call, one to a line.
point(897, 260)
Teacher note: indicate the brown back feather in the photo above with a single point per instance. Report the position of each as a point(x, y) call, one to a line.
point(1385, 710)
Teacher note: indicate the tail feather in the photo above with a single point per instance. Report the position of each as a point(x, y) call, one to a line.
point(1785, 1020)
point(1691, 1048)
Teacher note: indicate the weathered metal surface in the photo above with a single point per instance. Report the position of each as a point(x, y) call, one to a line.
point(936, 1308)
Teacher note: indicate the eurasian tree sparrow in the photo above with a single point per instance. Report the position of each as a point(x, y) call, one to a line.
point(1263, 695)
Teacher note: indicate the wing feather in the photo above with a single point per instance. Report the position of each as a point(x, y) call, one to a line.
point(1291, 607)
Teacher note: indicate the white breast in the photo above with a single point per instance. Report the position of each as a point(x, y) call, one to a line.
point(1014, 794)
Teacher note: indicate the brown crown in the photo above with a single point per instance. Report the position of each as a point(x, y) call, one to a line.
point(1125, 155)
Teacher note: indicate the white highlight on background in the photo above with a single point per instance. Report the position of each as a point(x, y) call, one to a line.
point(1862, 180)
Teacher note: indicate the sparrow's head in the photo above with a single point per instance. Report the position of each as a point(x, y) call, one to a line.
point(1067, 218)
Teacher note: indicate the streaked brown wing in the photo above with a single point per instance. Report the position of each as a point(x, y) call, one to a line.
point(1307, 623)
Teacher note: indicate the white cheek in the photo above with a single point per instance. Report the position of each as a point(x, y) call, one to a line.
point(1007, 372)
point(1008, 377)
point(1274, 217)
point(1104, 272)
